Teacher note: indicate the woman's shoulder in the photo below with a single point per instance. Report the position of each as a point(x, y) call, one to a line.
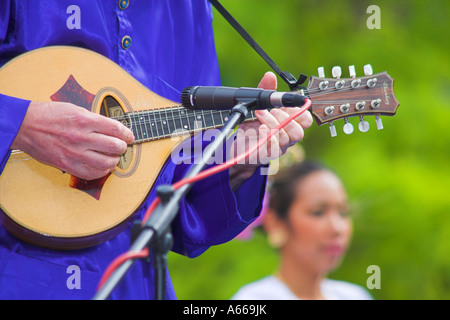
point(267, 288)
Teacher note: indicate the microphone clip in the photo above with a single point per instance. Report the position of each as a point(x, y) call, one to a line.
point(243, 107)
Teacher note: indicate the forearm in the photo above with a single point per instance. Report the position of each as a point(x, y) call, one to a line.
point(241, 173)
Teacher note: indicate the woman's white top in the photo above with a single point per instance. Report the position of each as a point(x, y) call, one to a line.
point(272, 288)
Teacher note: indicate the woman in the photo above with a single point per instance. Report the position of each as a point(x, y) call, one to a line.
point(308, 221)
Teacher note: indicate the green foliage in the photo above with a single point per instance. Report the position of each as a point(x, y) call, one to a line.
point(398, 178)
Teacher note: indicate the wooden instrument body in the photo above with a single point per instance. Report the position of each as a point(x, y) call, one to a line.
point(46, 210)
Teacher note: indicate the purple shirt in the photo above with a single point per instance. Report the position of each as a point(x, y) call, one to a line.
point(170, 46)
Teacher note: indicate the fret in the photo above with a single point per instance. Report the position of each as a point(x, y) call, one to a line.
point(168, 122)
point(177, 121)
point(190, 117)
point(134, 122)
point(218, 118)
point(194, 120)
point(201, 117)
point(156, 126)
point(159, 122)
point(163, 117)
point(171, 122)
point(146, 134)
point(183, 119)
point(139, 123)
point(146, 126)
point(143, 119)
point(212, 118)
point(225, 114)
point(163, 122)
point(208, 119)
point(149, 125)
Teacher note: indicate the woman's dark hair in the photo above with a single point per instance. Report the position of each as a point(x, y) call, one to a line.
point(284, 186)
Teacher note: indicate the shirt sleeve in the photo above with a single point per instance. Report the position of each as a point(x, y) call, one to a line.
point(4, 18)
point(12, 113)
point(212, 213)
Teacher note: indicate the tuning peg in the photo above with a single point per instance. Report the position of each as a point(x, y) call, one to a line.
point(378, 122)
point(374, 104)
point(321, 72)
point(368, 70)
point(332, 130)
point(348, 127)
point(336, 72)
point(363, 125)
point(323, 84)
point(351, 71)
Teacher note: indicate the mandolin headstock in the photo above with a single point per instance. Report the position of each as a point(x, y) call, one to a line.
point(340, 98)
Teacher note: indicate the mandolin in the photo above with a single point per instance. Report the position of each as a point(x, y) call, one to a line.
point(44, 206)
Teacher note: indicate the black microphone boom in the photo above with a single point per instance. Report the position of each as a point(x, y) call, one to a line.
point(225, 98)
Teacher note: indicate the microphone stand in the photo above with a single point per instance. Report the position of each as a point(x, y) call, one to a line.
point(156, 233)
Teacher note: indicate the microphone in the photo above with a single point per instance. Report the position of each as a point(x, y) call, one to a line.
point(225, 98)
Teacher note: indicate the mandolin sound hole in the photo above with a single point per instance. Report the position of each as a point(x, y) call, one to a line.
point(111, 108)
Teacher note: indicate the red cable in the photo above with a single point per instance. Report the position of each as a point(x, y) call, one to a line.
point(231, 162)
point(118, 261)
point(202, 175)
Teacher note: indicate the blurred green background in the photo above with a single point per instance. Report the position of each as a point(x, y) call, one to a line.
point(398, 178)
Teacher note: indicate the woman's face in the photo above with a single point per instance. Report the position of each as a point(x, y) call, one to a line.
point(319, 228)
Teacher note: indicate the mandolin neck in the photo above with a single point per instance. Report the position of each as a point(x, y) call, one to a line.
point(154, 124)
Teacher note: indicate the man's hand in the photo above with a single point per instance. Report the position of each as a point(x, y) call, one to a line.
point(68, 137)
point(249, 133)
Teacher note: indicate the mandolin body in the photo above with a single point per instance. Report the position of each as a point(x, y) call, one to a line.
point(47, 207)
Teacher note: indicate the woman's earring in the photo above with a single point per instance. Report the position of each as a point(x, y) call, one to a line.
point(277, 238)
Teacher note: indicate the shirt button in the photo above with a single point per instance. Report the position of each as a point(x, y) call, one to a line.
point(126, 42)
point(123, 4)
